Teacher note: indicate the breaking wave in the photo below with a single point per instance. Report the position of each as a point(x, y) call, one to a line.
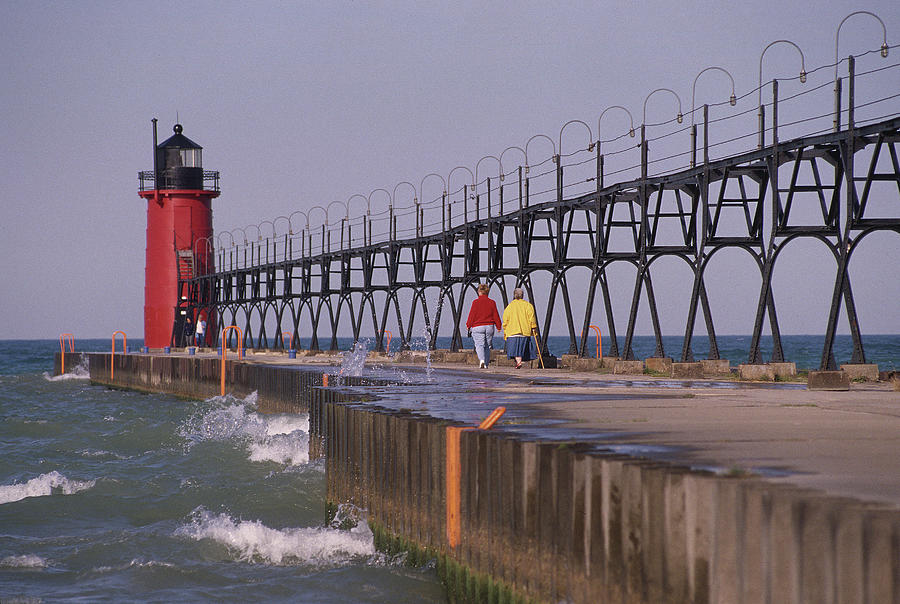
point(252, 541)
point(45, 484)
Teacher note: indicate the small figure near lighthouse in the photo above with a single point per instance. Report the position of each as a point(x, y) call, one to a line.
point(179, 194)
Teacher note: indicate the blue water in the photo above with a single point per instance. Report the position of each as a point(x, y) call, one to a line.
point(113, 496)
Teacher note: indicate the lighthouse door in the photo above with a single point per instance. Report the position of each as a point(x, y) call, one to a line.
point(183, 228)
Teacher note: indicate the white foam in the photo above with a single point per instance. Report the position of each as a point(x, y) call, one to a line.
point(102, 454)
point(279, 438)
point(288, 449)
point(135, 563)
point(26, 561)
point(78, 372)
point(285, 424)
point(43, 485)
point(252, 541)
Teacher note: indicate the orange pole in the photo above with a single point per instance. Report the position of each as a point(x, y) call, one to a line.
point(390, 336)
point(112, 355)
point(491, 419)
point(453, 480)
point(325, 380)
point(290, 338)
point(65, 338)
point(599, 341)
point(453, 472)
point(225, 351)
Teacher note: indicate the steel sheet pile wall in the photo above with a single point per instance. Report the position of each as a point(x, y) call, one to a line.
point(279, 390)
point(556, 522)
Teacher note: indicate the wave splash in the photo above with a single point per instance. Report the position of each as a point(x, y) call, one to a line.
point(252, 541)
point(45, 484)
point(282, 439)
point(81, 371)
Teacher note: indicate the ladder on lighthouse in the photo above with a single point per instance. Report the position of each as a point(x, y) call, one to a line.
point(185, 265)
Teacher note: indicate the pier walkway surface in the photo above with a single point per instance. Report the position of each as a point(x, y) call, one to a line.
point(845, 443)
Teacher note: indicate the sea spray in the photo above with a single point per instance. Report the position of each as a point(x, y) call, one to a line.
point(252, 541)
point(81, 371)
point(354, 360)
point(283, 439)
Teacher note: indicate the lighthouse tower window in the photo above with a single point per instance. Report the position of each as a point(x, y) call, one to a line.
point(183, 158)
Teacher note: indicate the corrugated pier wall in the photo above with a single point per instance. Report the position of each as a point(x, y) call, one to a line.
point(559, 521)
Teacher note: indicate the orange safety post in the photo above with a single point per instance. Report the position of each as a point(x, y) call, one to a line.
point(491, 419)
point(112, 355)
point(454, 470)
point(290, 338)
point(225, 351)
point(325, 380)
point(390, 336)
point(65, 338)
point(599, 341)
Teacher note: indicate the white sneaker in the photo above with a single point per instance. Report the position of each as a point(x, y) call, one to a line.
point(481, 365)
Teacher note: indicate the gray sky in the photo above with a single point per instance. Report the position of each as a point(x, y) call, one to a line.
point(300, 103)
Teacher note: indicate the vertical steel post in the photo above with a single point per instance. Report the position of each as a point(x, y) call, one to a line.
point(762, 127)
point(520, 187)
point(693, 145)
point(851, 110)
point(775, 116)
point(705, 134)
point(837, 105)
point(465, 204)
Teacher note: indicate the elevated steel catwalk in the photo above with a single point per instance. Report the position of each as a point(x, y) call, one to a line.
point(817, 187)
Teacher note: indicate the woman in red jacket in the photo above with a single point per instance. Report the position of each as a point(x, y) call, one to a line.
point(482, 323)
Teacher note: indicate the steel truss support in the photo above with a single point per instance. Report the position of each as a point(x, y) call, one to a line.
point(741, 202)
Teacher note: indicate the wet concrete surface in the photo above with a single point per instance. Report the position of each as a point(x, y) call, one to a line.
point(843, 443)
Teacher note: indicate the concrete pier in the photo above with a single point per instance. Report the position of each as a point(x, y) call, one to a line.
point(561, 519)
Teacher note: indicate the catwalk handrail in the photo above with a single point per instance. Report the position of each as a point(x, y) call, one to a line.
point(467, 204)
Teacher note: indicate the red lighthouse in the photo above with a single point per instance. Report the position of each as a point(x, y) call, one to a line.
point(179, 238)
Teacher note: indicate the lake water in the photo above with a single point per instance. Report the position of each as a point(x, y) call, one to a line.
point(117, 496)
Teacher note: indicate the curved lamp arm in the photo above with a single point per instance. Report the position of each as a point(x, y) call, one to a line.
point(369, 199)
point(328, 209)
point(422, 184)
point(450, 176)
point(679, 117)
point(291, 216)
point(242, 231)
point(521, 150)
point(802, 64)
point(590, 134)
point(478, 163)
point(409, 184)
point(352, 197)
point(630, 120)
point(732, 100)
point(552, 143)
point(837, 34)
point(258, 233)
point(275, 222)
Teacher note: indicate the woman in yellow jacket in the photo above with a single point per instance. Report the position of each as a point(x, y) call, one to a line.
point(519, 325)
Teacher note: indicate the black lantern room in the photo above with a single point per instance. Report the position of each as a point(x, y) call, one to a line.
point(179, 161)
